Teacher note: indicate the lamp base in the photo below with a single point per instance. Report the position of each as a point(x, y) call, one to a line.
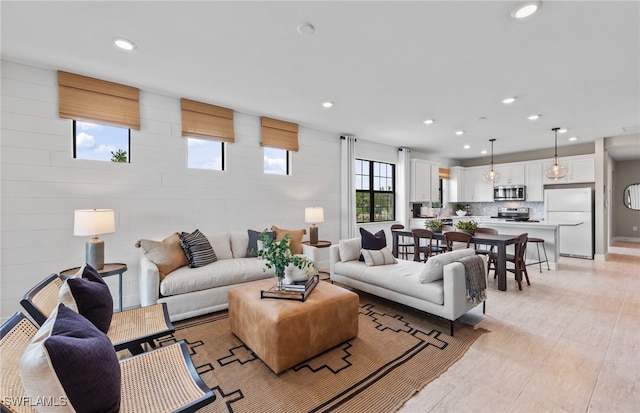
point(313, 234)
point(94, 253)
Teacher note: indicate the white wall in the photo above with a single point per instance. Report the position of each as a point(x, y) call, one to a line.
point(153, 196)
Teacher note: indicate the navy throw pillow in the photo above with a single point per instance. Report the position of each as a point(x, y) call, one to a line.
point(89, 295)
point(70, 350)
point(371, 241)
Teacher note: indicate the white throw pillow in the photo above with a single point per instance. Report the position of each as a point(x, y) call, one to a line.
point(378, 257)
point(349, 249)
point(221, 245)
point(433, 268)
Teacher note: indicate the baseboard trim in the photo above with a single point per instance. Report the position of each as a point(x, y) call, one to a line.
point(627, 239)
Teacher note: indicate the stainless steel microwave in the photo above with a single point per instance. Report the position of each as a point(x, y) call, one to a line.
point(509, 193)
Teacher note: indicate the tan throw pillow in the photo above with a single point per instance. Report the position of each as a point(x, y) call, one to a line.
point(296, 237)
point(167, 255)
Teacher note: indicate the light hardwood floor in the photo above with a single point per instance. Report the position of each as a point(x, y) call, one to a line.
point(570, 342)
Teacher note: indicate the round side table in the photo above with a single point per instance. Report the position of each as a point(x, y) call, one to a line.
point(106, 271)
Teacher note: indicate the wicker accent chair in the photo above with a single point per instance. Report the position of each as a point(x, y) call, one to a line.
point(451, 237)
point(161, 380)
point(129, 329)
point(426, 248)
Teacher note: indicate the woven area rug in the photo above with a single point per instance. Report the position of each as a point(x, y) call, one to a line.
point(397, 352)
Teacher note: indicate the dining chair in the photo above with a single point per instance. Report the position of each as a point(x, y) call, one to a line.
point(405, 244)
point(517, 259)
point(129, 329)
point(485, 249)
point(452, 237)
point(149, 380)
point(423, 245)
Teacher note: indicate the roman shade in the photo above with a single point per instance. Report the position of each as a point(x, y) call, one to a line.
point(444, 173)
point(94, 100)
point(206, 121)
point(279, 134)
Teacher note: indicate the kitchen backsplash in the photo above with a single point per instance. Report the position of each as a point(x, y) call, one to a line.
point(536, 209)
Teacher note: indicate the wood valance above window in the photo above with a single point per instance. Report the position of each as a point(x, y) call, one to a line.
point(444, 173)
point(205, 121)
point(279, 134)
point(94, 100)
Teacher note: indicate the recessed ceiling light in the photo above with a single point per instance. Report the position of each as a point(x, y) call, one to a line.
point(429, 121)
point(509, 100)
point(123, 43)
point(483, 152)
point(467, 146)
point(533, 117)
point(327, 104)
point(526, 9)
point(306, 28)
point(459, 132)
point(562, 130)
point(573, 138)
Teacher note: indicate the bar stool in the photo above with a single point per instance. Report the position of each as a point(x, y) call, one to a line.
point(405, 246)
point(539, 241)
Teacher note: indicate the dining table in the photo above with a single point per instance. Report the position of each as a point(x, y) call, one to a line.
point(500, 241)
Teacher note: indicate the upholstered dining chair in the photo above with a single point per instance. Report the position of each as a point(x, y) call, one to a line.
point(148, 380)
point(405, 244)
point(517, 259)
point(423, 245)
point(129, 329)
point(453, 237)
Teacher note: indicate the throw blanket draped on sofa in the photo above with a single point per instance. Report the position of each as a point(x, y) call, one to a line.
point(475, 278)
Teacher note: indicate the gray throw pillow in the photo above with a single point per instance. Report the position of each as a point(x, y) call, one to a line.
point(254, 236)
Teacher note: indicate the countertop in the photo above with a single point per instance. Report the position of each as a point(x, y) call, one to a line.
point(487, 220)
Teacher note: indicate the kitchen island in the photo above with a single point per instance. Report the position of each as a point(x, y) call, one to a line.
point(548, 231)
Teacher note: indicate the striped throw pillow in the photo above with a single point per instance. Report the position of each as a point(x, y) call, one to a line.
point(197, 249)
point(378, 257)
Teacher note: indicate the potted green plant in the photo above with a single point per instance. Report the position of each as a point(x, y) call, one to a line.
point(460, 210)
point(279, 256)
point(469, 227)
point(434, 225)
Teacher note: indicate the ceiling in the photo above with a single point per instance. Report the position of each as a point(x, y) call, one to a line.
point(387, 66)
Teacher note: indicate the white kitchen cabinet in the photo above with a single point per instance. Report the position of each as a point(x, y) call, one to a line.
point(579, 169)
point(475, 188)
point(455, 190)
point(424, 181)
point(533, 182)
point(510, 174)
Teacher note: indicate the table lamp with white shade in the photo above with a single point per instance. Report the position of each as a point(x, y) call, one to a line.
point(313, 215)
point(94, 222)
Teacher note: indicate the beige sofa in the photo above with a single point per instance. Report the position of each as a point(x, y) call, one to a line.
point(408, 282)
point(190, 292)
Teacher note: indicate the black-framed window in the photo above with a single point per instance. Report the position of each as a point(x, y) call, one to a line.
point(276, 161)
point(98, 142)
point(375, 191)
point(205, 154)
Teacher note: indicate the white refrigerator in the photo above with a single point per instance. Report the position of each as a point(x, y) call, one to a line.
point(566, 207)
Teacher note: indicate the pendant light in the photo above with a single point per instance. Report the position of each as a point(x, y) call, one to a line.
point(491, 176)
point(556, 171)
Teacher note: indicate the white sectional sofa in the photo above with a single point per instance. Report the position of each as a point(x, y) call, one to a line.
point(402, 282)
point(190, 292)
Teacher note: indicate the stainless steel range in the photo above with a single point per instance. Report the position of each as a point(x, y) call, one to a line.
point(513, 214)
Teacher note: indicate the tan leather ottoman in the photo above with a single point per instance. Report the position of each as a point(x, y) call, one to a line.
point(284, 333)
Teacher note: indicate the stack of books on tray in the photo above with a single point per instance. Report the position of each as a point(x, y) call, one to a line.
point(299, 286)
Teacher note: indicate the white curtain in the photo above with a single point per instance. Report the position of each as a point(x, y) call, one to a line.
point(347, 188)
point(403, 173)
